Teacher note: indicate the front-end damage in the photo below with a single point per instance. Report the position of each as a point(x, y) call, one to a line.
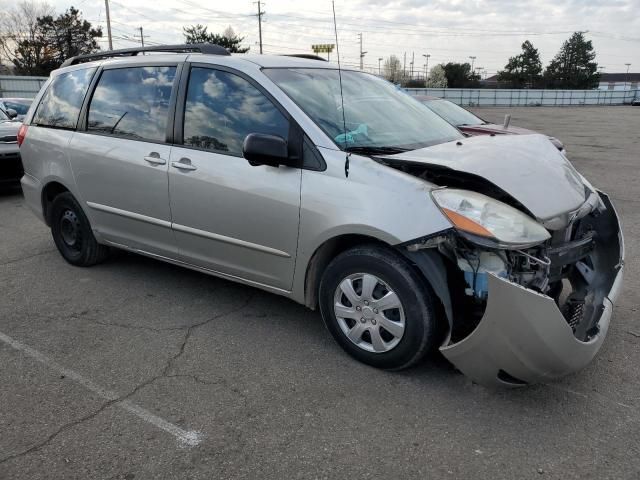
point(524, 316)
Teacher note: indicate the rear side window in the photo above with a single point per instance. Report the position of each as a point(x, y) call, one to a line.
point(132, 102)
point(223, 108)
point(60, 104)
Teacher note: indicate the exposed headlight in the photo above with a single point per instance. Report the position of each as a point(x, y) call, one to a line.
point(489, 221)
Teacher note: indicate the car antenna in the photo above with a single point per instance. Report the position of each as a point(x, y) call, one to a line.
point(344, 121)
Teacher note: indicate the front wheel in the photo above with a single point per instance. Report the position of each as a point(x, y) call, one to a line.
point(378, 308)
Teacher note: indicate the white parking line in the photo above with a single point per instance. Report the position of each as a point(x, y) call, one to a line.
point(186, 438)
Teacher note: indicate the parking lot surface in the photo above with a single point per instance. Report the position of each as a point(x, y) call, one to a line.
point(136, 369)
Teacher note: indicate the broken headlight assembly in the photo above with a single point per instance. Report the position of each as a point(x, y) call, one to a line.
point(488, 222)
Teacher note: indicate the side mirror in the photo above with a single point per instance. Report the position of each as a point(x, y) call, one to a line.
point(11, 113)
point(263, 149)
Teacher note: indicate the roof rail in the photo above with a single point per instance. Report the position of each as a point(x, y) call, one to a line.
point(205, 48)
point(308, 56)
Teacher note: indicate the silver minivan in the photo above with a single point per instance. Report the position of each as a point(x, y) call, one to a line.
point(335, 189)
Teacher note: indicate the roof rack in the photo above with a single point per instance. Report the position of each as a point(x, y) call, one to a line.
point(205, 48)
point(308, 56)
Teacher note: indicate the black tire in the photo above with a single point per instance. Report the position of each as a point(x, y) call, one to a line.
point(72, 233)
point(416, 297)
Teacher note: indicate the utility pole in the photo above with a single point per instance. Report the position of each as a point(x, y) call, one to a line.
point(260, 14)
point(106, 8)
point(413, 61)
point(379, 70)
point(141, 37)
point(404, 66)
point(362, 54)
point(626, 77)
point(473, 61)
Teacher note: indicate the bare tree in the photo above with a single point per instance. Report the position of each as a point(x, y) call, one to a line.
point(393, 69)
point(20, 25)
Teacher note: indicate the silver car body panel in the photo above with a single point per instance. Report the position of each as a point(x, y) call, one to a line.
point(234, 218)
point(263, 225)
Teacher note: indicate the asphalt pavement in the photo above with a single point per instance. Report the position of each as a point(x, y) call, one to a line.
point(135, 369)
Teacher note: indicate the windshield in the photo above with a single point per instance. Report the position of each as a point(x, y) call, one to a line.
point(3, 116)
point(20, 106)
point(378, 115)
point(453, 114)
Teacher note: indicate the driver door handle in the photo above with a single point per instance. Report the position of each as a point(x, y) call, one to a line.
point(184, 164)
point(155, 159)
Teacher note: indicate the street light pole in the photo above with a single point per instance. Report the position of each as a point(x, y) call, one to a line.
point(426, 67)
point(379, 70)
point(626, 77)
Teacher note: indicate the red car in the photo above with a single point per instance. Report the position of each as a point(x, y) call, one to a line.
point(471, 124)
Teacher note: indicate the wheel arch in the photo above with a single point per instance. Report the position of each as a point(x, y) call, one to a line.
point(50, 191)
point(323, 255)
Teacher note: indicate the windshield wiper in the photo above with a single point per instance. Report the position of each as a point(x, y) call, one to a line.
point(373, 150)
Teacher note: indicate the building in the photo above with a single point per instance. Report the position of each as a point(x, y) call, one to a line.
point(617, 81)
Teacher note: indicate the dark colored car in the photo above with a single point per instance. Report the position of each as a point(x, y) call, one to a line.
point(10, 163)
point(473, 125)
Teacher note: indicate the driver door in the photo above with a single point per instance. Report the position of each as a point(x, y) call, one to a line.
point(228, 216)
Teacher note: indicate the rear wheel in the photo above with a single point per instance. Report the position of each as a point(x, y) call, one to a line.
point(72, 233)
point(378, 308)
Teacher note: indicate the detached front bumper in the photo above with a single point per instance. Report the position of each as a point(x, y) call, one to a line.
point(524, 338)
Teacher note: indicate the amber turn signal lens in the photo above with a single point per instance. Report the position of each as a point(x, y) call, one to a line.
point(463, 223)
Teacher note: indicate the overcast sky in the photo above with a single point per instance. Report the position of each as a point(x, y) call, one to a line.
point(448, 30)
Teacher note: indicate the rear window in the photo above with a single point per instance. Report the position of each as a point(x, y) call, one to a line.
point(132, 103)
point(60, 105)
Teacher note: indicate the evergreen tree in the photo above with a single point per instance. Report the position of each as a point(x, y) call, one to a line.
point(228, 39)
point(523, 70)
point(459, 75)
point(574, 66)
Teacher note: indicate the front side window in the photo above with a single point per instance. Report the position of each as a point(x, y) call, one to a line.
point(132, 103)
point(60, 104)
point(378, 116)
point(223, 108)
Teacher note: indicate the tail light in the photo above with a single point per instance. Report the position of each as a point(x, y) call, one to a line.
point(22, 134)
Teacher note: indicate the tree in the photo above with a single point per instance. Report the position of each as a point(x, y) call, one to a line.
point(66, 36)
point(229, 40)
point(573, 67)
point(20, 44)
point(43, 42)
point(437, 77)
point(459, 75)
point(524, 69)
point(392, 69)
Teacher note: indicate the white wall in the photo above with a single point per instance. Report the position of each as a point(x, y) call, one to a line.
point(524, 97)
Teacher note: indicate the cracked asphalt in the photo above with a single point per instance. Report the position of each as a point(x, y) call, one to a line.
point(264, 385)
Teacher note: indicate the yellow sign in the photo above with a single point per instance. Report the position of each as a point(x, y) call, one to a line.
point(323, 48)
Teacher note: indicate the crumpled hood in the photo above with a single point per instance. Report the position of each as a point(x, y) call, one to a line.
point(527, 167)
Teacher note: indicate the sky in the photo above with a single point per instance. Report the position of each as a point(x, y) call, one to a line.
point(447, 30)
